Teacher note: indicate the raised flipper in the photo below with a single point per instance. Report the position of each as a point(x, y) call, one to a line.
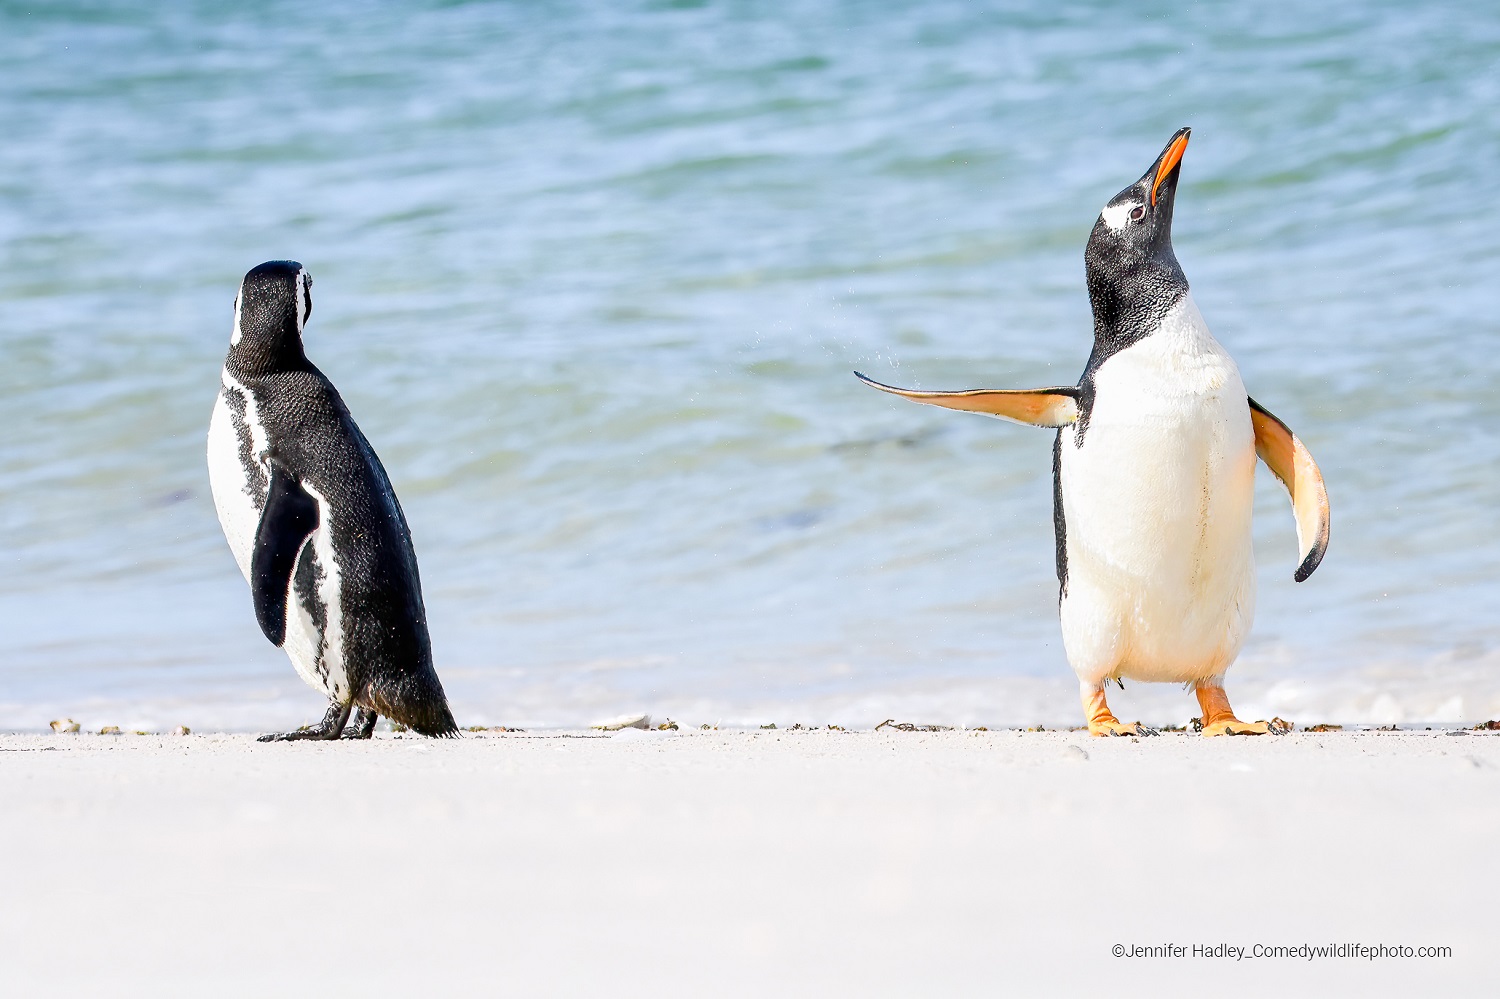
point(1290, 462)
point(1045, 407)
point(289, 517)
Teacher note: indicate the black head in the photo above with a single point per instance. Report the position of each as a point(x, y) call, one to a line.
point(1132, 271)
point(274, 302)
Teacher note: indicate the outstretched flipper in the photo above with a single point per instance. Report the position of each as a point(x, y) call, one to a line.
point(1291, 463)
point(1045, 407)
point(290, 516)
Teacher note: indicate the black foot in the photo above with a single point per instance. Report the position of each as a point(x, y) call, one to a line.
point(364, 725)
point(331, 727)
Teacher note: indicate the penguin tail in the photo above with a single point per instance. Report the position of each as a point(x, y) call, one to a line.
point(436, 722)
point(416, 701)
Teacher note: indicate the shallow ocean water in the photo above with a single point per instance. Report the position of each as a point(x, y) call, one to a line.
point(593, 279)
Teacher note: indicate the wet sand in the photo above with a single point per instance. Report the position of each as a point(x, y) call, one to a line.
point(744, 863)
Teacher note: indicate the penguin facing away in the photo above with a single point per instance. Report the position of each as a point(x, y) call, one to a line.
point(314, 524)
point(1153, 473)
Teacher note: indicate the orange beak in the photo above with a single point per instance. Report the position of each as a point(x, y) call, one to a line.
point(1170, 159)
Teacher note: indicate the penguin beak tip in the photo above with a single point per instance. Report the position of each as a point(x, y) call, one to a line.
point(1171, 157)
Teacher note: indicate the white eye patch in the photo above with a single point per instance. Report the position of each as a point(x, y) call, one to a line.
point(234, 337)
point(1116, 216)
point(302, 309)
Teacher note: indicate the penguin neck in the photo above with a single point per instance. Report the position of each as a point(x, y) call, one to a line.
point(1130, 302)
point(251, 359)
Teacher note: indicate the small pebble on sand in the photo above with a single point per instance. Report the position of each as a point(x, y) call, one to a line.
point(622, 722)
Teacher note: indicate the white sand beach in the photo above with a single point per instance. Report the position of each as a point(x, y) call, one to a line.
point(744, 863)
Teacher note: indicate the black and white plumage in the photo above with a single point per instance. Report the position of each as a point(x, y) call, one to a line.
point(1153, 471)
point(314, 524)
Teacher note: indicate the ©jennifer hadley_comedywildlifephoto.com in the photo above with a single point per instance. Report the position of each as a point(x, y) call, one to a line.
point(1282, 952)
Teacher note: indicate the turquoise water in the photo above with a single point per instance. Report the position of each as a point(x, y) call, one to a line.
point(593, 277)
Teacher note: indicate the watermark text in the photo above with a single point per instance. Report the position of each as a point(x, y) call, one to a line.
point(1279, 952)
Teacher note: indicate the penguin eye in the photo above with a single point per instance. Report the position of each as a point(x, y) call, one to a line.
point(1137, 213)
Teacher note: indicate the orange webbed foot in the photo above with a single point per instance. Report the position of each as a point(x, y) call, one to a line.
point(1218, 717)
point(1233, 726)
point(1102, 721)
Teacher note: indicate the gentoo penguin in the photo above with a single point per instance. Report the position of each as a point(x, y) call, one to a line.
point(314, 523)
point(1153, 473)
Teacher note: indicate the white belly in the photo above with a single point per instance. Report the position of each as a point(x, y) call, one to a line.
point(237, 498)
point(239, 495)
point(1157, 505)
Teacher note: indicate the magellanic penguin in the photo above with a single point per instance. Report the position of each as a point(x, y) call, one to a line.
point(1153, 473)
point(314, 523)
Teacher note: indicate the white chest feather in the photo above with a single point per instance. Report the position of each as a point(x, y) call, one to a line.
point(1157, 504)
point(239, 481)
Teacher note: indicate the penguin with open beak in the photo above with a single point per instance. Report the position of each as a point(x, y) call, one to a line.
point(1153, 473)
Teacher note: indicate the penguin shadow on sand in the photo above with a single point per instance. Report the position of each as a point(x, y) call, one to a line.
point(1153, 473)
point(314, 524)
